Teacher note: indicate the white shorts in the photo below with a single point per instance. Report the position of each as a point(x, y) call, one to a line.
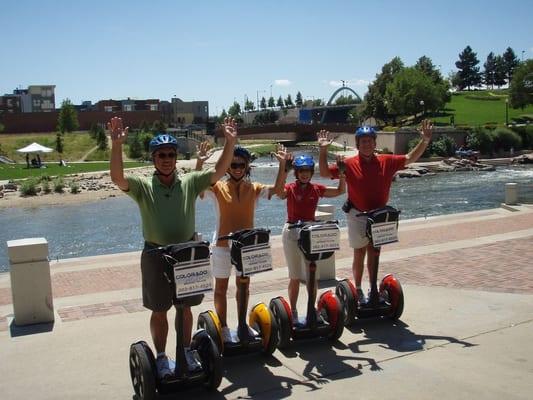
point(296, 262)
point(356, 229)
point(221, 262)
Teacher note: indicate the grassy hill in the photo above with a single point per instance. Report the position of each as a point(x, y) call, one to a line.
point(480, 108)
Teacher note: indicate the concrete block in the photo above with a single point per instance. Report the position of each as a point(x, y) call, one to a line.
point(27, 250)
point(31, 288)
point(511, 193)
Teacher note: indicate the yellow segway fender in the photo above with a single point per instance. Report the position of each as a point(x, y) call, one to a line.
point(260, 316)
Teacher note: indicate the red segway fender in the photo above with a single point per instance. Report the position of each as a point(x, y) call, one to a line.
point(330, 307)
point(395, 294)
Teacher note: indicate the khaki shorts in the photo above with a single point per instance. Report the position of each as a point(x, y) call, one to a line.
point(296, 262)
point(356, 229)
point(157, 292)
point(221, 262)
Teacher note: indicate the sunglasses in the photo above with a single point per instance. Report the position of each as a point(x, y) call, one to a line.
point(235, 165)
point(164, 156)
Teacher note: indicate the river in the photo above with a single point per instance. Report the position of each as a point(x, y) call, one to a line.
point(113, 225)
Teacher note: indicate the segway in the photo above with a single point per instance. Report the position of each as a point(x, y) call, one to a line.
point(250, 254)
point(317, 241)
point(188, 273)
point(382, 229)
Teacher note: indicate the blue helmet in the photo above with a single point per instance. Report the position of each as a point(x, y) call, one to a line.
point(239, 151)
point(365, 130)
point(163, 140)
point(303, 161)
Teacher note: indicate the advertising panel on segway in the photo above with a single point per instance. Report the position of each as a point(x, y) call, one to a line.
point(250, 254)
point(387, 300)
point(188, 273)
point(317, 241)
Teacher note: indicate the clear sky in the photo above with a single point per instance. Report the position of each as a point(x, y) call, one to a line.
point(222, 51)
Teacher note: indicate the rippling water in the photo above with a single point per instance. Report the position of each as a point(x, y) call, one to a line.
point(113, 225)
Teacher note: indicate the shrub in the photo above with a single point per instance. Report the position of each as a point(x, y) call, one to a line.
point(505, 138)
point(526, 134)
point(45, 184)
point(413, 142)
point(480, 139)
point(444, 146)
point(29, 187)
point(135, 147)
point(74, 187)
point(59, 185)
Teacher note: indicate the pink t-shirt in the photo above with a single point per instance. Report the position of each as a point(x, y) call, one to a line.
point(302, 201)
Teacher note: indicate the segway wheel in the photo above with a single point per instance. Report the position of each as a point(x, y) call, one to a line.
point(330, 308)
point(390, 286)
point(206, 321)
point(263, 320)
point(346, 294)
point(281, 314)
point(210, 358)
point(143, 371)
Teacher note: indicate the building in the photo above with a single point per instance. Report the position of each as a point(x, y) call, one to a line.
point(36, 98)
point(127, 105)
point(10, 103)
point(189, 112)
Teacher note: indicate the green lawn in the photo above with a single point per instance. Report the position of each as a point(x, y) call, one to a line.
point(19, 171)
point(469, 108)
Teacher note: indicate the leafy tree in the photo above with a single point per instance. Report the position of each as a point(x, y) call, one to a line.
point(223, 115)
point(248, 105)
point(280, 102)
point(374, 101)
point(299, 100)
point(263, 103)
point(521, 88)
point(159, 126)
point(136, 147)
point(341, 100)
point(409, 87)
point(144, 126)
point(499, 71)
point(234, 110)
point(101, 139)
point(288, 101)
point(93, 130)
point(271, 102)
point(511, 63)
point(2, 127)
point(468, 74)
point(59, 142)
point(425, 65)
point(490, 70)
point(67, 120)
point(266, 117)
point(317, 103)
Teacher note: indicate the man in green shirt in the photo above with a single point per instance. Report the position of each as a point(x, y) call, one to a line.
point(167, 206)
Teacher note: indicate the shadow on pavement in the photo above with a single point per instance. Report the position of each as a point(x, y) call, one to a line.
point(394, 335)
point(16, 330)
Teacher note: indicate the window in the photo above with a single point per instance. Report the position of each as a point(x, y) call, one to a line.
point(128, 107)
point(108, 108)
point(153, 107)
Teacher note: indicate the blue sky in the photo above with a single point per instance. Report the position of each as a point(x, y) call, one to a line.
point(222, 51)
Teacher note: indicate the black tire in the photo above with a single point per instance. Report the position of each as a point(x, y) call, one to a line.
point(348, 303)
point(283, 323)
point(212, 365)
point(274, 335)
point(394, 290)
point(143, 371)
point(205, 321)
point(334, 313)
point(398, 311)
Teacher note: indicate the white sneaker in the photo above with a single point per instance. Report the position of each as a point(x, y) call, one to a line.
point(226, 334)
point(165, 367)
point(252, 332)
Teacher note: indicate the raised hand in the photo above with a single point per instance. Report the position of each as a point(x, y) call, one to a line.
point(118, 133)
point(426, 130)
point(230, 128)
point(340, 163)
point(323, 138)
point(204, 151)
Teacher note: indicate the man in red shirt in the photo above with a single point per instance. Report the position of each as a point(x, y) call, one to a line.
point(369, 177)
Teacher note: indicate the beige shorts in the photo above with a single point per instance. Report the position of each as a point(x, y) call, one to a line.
point(221, 262)
point(356, 229)
point(296, 262)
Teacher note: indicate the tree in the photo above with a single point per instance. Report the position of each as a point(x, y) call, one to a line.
point(136, 148)
point(235, 110)
point(68, 117)
point(425, 65)
point(159, 126)
point(59, 142)
point(374, 101)
point(510, 62)
point(223, 115)
point(499, 71)
point(409, 89)
point(317, 103)
point(521, 88)
point(248, 105)
point(490, 70)
point(263, 103)
point(280, 102)
point(145, 126)
point(271, 102)
point(341, 100)
point(468, 74)
point(299, 100)
point(288, 101)
point(101, 139)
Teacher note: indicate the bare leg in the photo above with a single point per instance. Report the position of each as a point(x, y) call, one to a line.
point(358, 265)
point(245, 287)
point(221, 304)
point(294, 289)
point(187, 326)
point(159, 330)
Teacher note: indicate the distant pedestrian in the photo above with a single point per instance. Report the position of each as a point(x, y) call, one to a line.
point(344, 147)
point(27, 160)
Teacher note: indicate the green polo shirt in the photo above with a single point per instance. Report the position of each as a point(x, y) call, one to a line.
point(167, 213)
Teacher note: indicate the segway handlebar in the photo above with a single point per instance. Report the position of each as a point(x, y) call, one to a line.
point(301, 224)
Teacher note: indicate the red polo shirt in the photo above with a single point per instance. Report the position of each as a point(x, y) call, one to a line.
point(302, 201)
point(369, 181)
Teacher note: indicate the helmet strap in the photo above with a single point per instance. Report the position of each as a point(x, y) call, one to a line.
point(158, 172)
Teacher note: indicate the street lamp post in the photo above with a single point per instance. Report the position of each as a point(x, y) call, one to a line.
point(423, 109)
point(523, 51)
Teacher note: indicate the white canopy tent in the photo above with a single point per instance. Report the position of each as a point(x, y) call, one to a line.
point(35, 148)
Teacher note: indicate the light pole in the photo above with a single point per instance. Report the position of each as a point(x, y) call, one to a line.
point(523, 51)
point(506, 112)
point(270, 90)
point(422, 106)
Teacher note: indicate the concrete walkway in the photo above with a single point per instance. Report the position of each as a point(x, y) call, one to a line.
point(465, 332)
